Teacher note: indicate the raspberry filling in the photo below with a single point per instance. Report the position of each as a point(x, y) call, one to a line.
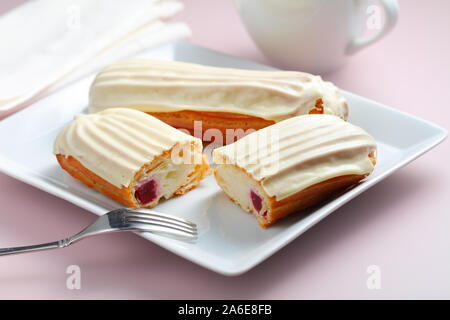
point(256, 200)
point(147, 191)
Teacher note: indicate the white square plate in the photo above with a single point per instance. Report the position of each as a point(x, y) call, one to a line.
point(230, 241)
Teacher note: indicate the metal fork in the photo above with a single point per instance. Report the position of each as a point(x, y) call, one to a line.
point(121, 220)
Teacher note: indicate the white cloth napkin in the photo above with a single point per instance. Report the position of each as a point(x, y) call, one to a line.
point(46, 44)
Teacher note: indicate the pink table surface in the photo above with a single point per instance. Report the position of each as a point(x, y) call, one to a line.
point(401, 225)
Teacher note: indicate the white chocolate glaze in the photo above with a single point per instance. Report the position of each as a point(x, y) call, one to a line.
point(299, 152)
point(167, 86)
point(116, 143)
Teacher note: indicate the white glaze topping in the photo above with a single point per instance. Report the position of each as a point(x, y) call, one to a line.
point(166, 86)
point(299, 152)
point(116, 143)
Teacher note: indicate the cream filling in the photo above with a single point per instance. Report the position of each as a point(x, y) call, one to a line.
point(169, 178)
point(238, 186)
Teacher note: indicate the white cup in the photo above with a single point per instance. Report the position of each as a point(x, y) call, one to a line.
point(315, 36)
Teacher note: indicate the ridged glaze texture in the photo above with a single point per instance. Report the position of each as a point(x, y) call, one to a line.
point(299, 152)
point(116, 143)
point(166, 86)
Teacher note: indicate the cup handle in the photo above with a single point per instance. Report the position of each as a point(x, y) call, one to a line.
point(391, 9)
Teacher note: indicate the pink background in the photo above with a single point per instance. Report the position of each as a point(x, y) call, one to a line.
point(401, 225)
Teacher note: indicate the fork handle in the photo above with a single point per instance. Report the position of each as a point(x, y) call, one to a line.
point(36, 247)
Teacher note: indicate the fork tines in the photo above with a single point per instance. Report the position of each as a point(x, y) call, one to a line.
point(161, 220)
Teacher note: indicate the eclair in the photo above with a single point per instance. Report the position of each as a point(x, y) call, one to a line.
point(222, 99)
point(294, 164)
point(130, 156)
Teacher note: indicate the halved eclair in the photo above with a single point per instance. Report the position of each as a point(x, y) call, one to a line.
point(221, 99)
point(130, 156)
point(294, 164)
